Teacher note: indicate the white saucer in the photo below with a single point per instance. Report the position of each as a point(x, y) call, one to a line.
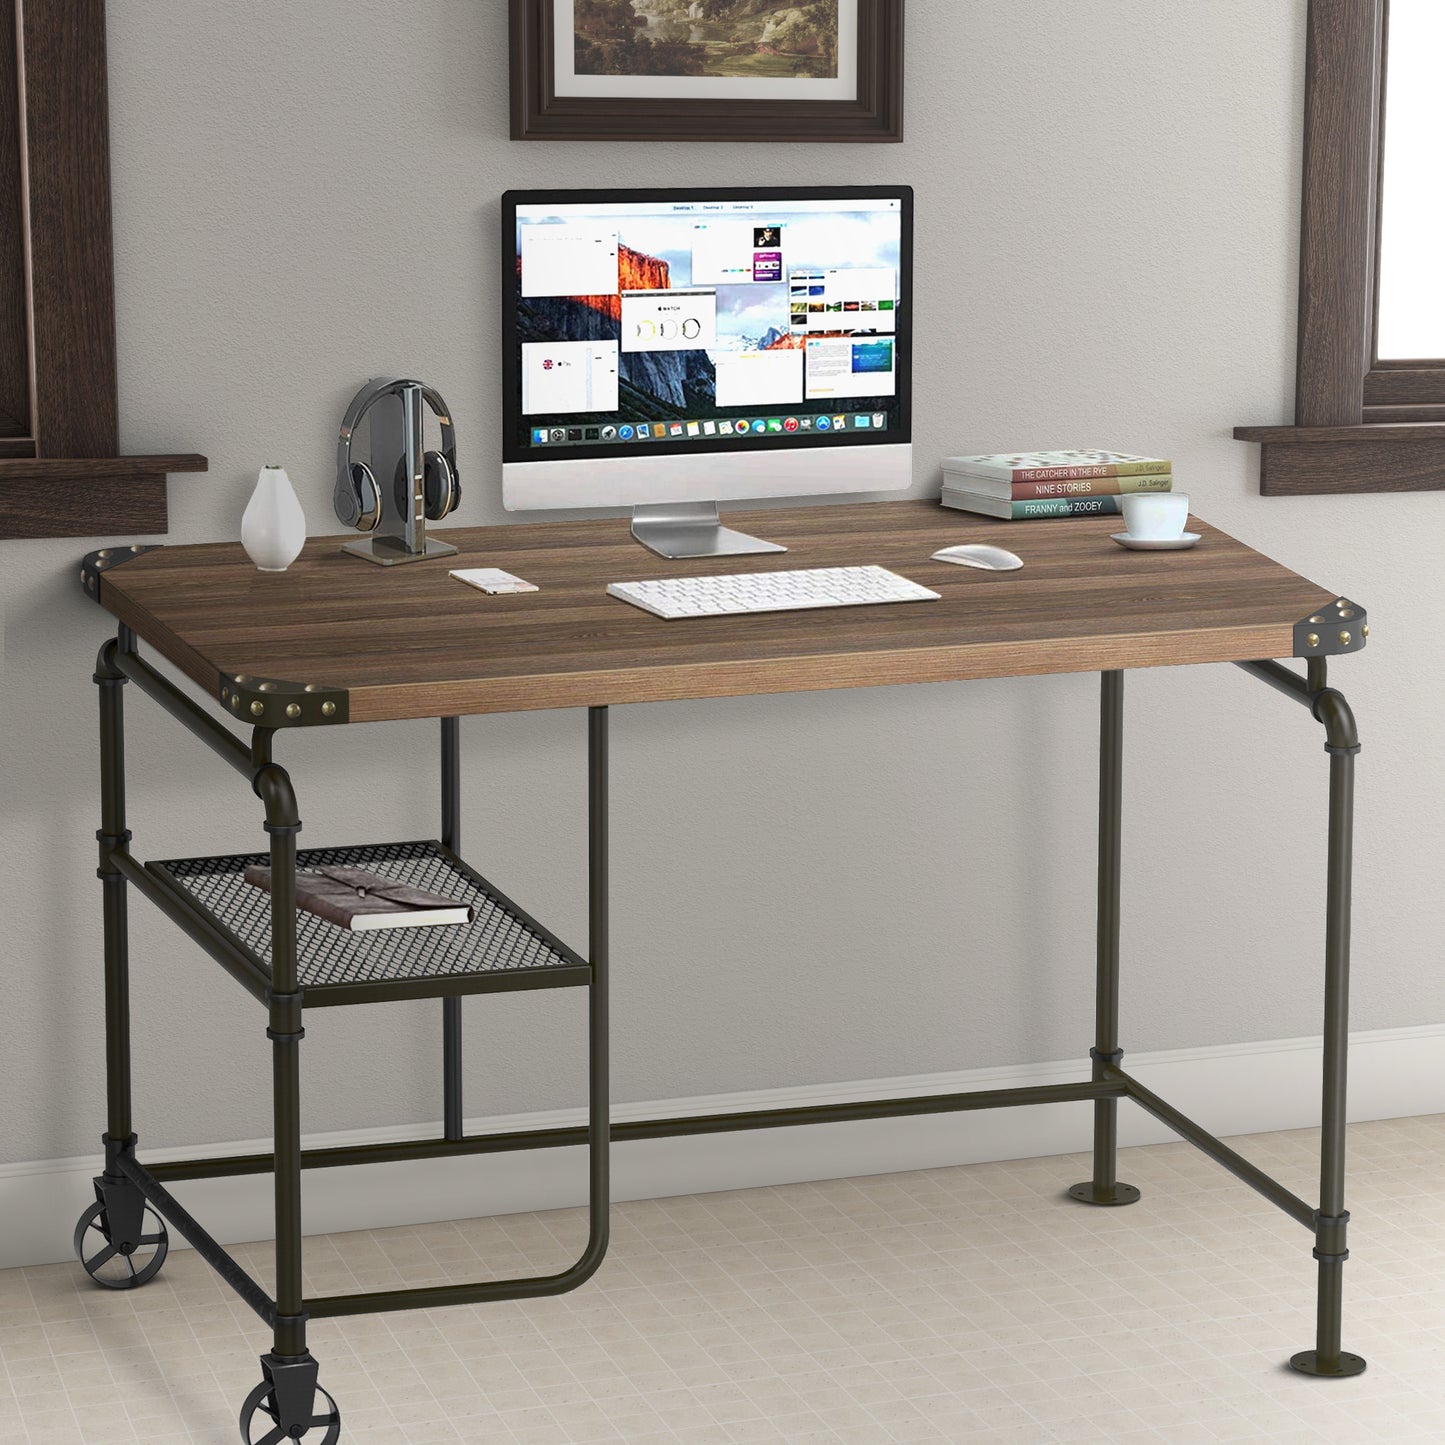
point(1156, 544)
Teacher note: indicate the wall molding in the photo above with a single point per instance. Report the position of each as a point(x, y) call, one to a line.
point(1231, 1089)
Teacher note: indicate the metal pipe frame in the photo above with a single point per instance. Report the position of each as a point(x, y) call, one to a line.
point(598, 1133)
point(1342, 742)
point(288, 1313)
point(180, 1219)
point(405, 1150)
point(280, 990)
point(113, 836)
point(451, 753)
point(1104, 1188)
point(1220, 1152)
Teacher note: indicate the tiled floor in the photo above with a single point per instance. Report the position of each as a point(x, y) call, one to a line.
point(957, 1305)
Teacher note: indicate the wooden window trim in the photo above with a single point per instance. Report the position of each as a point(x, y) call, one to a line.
point(59, 472)
point(1361, 424)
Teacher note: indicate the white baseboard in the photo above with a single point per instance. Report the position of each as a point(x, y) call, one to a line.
point(1232, 1089)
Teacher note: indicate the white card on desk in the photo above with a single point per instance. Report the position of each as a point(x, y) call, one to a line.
point(493, 580)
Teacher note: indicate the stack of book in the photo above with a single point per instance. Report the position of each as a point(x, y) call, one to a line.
point(1050, 484)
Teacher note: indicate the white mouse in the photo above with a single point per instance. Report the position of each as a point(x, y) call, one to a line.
point(990, 559)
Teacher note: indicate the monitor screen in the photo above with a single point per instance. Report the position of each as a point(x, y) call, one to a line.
point(656, 322)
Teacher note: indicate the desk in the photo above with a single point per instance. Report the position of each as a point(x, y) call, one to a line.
point(332, 643)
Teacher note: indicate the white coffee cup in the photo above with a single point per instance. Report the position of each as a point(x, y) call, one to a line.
point(1155, 516)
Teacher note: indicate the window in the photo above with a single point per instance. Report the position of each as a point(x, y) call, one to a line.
point(1370, 393)
point(1410, 324)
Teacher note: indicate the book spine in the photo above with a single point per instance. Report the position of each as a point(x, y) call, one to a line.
point(1074, 474)
point(1041, 507)
point(1094, 486)
point(1067, 507)
point(1147, 467)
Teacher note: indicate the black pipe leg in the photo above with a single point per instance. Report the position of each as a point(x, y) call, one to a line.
point(599, 1127)
point(288, 1371)
point(113, 834)
point(452, 1127)
point(1327, 1360)
point(1104, 1187)
point(117, 1242)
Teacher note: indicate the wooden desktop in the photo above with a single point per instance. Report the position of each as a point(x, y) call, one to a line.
point(419, 644)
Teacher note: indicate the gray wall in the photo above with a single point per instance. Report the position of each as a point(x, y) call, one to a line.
point(814, 888)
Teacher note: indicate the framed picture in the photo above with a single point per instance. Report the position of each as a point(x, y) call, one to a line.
point(721, 70)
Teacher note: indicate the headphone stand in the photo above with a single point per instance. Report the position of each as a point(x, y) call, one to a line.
point(389, 552)
point(397, 453)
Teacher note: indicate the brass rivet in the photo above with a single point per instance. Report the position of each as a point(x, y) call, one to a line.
point(1344, 639)
point(1313, 639)
point(1316, 620)
point(240, 677)
point(1345, 613)
point(104, 552)
point(293, 709)
point(328, 709)
point(1365, 630)
point(136, 548)
point(257, 708)
point(224, 694)
point(313, 687)
point(268, 687)
point(235, 701)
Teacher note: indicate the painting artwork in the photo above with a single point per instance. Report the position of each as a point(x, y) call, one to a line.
point(739, 39)
point(707, 70)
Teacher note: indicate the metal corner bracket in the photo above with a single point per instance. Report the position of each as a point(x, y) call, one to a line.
point(94, 563)
point(1338, 627)
point(270, 702)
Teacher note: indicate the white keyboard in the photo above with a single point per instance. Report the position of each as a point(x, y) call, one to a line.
point(770, 592)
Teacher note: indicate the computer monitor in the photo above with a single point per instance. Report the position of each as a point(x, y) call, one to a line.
point(671, 349)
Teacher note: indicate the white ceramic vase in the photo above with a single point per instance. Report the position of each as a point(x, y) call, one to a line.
point(273, 530)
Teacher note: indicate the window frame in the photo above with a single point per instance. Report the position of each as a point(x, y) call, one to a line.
point(1361, 424)
point(1401, 390)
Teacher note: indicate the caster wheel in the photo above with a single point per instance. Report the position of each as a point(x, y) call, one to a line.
point(260, 1425)
point(115, 1266)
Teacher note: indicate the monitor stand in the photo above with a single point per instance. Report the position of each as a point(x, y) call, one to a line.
point(692, 529)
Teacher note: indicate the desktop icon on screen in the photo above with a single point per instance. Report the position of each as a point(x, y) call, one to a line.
point(625, 433)
point(539, 436)
point(824, 424)
point(675, 430)
point(880, 420)
point(694, 429)
point(644, 433)
point(840, 423)
point(760, 428)
point(791, 425)
point(609, 433)
point(861, 422)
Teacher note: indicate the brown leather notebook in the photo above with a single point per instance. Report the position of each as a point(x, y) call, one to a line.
point(361, 901)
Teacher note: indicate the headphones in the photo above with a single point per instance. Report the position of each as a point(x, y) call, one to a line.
point(358, 496)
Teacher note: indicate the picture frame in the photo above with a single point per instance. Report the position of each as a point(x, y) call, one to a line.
point(849, 89)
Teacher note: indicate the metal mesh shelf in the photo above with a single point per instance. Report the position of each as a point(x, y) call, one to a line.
point(501, 949)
